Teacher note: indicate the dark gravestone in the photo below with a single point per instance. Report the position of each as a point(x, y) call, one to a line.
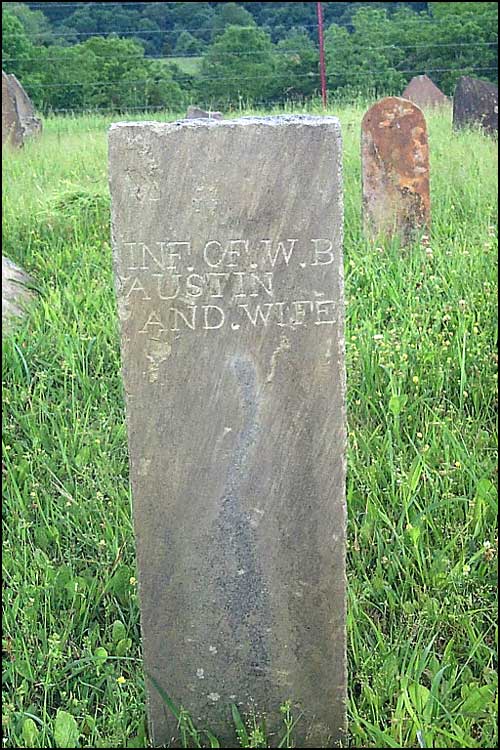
point(227, 242)
point(476, 103)
point(12, 132)
point(424, 93)
point(395, 169)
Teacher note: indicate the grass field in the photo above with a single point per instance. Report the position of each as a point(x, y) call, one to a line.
point(421, 367)
point(190, 65)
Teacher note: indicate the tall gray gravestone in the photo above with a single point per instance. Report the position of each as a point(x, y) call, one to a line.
point(30, 123)
point(12, 131)
point(227, 242)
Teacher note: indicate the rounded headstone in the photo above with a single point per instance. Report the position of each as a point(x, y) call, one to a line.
point(395, 166)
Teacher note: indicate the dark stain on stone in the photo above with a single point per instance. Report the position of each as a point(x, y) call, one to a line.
point(242, 593)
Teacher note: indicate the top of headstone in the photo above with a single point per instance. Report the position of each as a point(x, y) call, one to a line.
point(469, 81)
point(395, 106)
point(272, 121)
point(424, 92)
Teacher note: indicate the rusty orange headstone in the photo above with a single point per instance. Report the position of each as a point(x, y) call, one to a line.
point(395, 165)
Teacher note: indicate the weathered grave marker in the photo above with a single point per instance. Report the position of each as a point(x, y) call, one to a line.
point(395, 166)
point(476, 103)
point(12, 132)
point(16, 293)
point(31, 125)
point(424, 93)
point(227, 244)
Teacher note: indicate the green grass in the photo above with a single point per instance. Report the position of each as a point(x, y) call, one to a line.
point(421, 365)
point(189, 65)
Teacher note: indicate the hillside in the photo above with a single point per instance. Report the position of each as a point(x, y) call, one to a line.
point(94, 56)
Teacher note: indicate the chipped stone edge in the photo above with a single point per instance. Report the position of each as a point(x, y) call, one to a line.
point(341, 353)
point(198, 123)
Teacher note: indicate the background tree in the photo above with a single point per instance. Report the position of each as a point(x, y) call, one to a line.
point(371, 48)
point(464, 37)
point(197, 18)
point(35, 23)
point(187, 44)
point(363, 62)
point(17, 50)
point(101, 73)
point(297, 66)
point(230, 14)
point(239, 66)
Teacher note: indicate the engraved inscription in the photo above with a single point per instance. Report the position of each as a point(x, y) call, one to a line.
point(217, 283)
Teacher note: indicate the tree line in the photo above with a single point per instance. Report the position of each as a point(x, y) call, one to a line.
point(167, 28)
point(226, 55)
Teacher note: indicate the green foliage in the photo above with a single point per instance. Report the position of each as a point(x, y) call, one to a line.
point(65, 730)
point(102, 73)
point(471, 32)
point(357, 61)
point(29, 733)
point(238, 67)
point(422, 392)
point(34, 22)
point(297, 61)
point(371, 49)
point(187, 44)
point(230, 14)
point(383, 52)
point(17, 50)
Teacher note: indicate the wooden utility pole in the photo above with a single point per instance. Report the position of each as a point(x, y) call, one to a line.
point(322, 54)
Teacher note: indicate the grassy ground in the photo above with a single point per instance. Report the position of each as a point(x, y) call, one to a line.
point(421, 366)
point(190, 65)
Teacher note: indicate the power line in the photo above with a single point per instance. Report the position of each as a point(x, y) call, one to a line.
point(237, 53)
point(89, 110)
point(238, 78)
point(127, 33)
point(163, 57)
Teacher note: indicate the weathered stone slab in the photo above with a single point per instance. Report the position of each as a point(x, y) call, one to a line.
point(16, 292)
point(424, 93)
point(195, 113)
point(12, 132)
point(476, 103)
point(31, 125)
point(227, 242)
point(395, 167)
